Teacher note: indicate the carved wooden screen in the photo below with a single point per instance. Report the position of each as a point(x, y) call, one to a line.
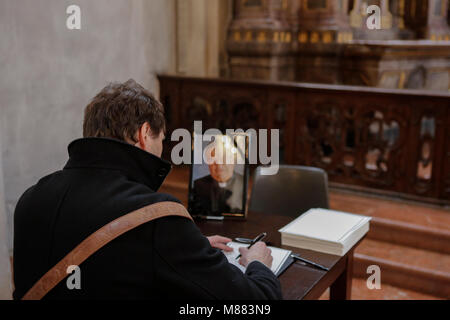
point(395, 142)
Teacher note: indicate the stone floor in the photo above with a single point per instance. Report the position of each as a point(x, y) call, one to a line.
point(387, 292)
point(405, 211)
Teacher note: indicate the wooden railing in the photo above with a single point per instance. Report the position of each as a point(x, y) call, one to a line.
point(394, 142)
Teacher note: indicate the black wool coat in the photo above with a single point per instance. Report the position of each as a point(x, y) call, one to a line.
point(167, 258)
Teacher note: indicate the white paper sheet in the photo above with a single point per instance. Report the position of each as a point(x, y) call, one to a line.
point(279, 256)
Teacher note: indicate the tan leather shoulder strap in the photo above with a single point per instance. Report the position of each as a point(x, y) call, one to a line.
point(99, 239)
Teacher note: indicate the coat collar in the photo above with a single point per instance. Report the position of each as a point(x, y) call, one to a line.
point(103, 153)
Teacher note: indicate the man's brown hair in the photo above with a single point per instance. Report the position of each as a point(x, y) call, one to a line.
point(119, 111)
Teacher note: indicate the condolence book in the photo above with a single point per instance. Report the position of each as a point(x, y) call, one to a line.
point(327, 231)
point(281, 258)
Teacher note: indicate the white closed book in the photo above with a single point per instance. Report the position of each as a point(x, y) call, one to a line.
point(328, 231)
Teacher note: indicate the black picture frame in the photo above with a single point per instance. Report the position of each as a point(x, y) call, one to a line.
point(246, 173)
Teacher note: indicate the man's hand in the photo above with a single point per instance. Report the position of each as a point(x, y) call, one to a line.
point(220, 243)
point(258, 252)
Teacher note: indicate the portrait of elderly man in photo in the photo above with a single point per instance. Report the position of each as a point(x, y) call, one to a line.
point(221, 191)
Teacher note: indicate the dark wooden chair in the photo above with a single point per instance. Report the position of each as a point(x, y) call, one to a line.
point(292, 191)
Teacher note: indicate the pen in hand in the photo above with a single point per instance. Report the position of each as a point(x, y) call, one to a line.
point(256, 240)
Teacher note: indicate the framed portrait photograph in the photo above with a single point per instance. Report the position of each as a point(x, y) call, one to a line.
point(218, 185)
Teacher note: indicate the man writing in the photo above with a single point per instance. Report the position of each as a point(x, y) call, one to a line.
point(116, 169)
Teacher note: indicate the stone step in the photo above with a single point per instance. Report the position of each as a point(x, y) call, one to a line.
point(400, 222)
point(405, 267)
point(411, 235)
point(360, 291)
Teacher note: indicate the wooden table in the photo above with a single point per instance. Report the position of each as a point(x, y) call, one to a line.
point(298, 281)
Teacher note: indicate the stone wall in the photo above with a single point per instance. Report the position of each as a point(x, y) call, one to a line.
point(5, 270)
point(49, 73)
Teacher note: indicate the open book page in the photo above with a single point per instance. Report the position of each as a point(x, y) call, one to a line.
point(279, 256)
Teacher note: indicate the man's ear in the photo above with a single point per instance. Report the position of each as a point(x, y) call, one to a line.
point(144, 133)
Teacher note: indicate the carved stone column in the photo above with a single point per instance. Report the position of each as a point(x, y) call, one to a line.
point(437, 28)
point(323, 29)
point(392, 20)
point(428, 18)
point(324, 21)
point(260, 40)
point(356, 15)
point(386, 15)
